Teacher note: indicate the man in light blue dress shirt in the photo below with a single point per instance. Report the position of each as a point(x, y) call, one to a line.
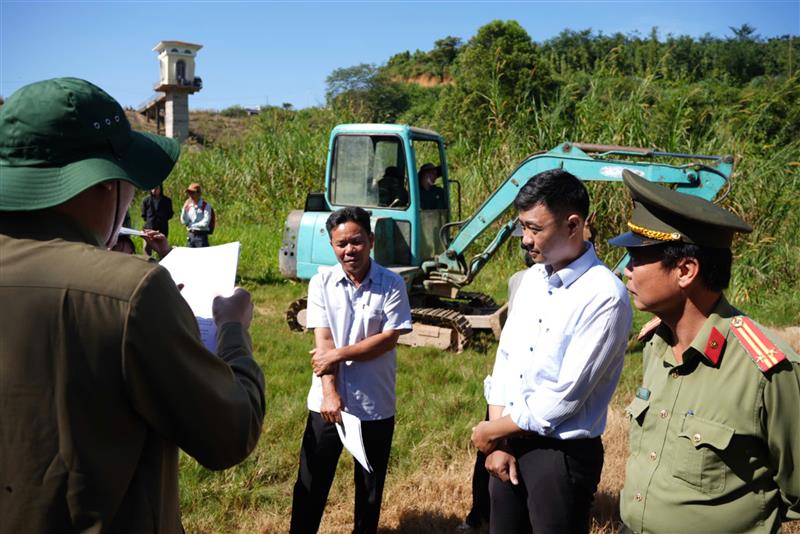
point(558, 362)
point(358, 310)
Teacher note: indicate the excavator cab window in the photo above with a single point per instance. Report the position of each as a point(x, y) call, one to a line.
point(369, 171)
point(432, 194)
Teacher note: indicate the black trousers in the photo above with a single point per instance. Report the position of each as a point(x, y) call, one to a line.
point(479, 513)
point(319, 455)
point(197, 239)
point(557, 482)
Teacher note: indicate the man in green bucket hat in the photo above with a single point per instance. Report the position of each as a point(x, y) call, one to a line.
point(714, 425)
point(102, 371)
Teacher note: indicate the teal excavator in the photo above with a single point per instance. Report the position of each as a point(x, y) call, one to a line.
point(378, 167)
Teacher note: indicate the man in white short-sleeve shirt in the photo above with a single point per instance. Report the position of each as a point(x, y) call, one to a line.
point(358, 310)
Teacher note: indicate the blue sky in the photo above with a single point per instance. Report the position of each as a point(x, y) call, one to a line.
point(259, 52)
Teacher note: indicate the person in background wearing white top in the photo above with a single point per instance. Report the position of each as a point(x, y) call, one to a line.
point(196, 216)
point(558, 362)
point(357, 309)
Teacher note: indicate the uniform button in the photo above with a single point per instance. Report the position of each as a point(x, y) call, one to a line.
point(653, 455)
point(663, 414)
point(696, 438)
point(637, 497)
point(674, 374)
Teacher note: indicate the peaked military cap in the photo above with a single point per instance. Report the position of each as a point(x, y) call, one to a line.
point(662, 215)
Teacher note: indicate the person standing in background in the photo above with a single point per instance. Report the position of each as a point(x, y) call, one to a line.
point(156, 213)
point(196, 216)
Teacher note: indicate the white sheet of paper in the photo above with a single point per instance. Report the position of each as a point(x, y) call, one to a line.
point(205, 273)
point(350, 434)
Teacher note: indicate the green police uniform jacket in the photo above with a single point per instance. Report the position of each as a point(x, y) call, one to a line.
point(714, 447)
point(102, 378)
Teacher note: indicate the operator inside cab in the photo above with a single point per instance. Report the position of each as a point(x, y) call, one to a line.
point(391, 189)
point(431, 195)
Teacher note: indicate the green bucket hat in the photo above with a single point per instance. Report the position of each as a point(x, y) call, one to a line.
point(59, 137)
point(661, 215)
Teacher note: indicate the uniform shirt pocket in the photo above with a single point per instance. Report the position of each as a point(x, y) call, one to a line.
point(636, 411)
point(697, 450)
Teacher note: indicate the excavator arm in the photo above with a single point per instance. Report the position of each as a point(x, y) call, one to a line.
point(704, 176)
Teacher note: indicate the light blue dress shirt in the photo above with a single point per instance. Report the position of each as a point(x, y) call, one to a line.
point(562, 348)
point(380, 303)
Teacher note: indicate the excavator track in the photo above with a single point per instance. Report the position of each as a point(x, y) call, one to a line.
point(448, 319)
point(293, 314)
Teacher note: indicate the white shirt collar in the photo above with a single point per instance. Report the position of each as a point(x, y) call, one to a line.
point(341, 276)
point(566, 276)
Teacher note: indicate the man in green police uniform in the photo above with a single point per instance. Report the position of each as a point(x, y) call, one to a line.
point(102, 372)
point(714, 427)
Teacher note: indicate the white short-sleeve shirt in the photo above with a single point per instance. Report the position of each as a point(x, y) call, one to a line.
point(353, 313)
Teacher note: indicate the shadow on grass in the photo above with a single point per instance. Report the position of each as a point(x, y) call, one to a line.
point(483, 342)
point(428, 522)
point(267, 279)
point(605, 512)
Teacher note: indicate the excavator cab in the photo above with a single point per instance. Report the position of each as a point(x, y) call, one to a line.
point(376, 167)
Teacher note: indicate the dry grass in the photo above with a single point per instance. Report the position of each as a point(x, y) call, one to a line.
point(205, 127)
point(436, 498)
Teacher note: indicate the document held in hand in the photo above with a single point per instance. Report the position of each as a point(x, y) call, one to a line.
point(205, 273)
point(350, 433)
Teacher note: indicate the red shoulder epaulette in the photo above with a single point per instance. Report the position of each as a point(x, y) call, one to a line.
point(756, 343)
point(648, 329)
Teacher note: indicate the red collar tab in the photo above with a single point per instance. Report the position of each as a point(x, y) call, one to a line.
point(758, 346)
point(714, 345)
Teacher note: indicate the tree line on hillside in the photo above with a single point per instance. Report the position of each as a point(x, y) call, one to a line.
point(471, 87)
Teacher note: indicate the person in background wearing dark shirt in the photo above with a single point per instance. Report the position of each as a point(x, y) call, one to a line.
point(156, 213)
point(432, 195)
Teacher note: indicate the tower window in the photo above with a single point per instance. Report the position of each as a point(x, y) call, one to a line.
point(180, 71)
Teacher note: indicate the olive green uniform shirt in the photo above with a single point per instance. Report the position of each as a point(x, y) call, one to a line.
point(102, 377)
point(713, 448)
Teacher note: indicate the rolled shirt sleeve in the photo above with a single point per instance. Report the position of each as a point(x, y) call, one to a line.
point(396, 307)
point(316, 316)
point(496, 395)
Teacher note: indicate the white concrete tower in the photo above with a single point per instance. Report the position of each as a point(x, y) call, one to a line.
point(177, 81)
